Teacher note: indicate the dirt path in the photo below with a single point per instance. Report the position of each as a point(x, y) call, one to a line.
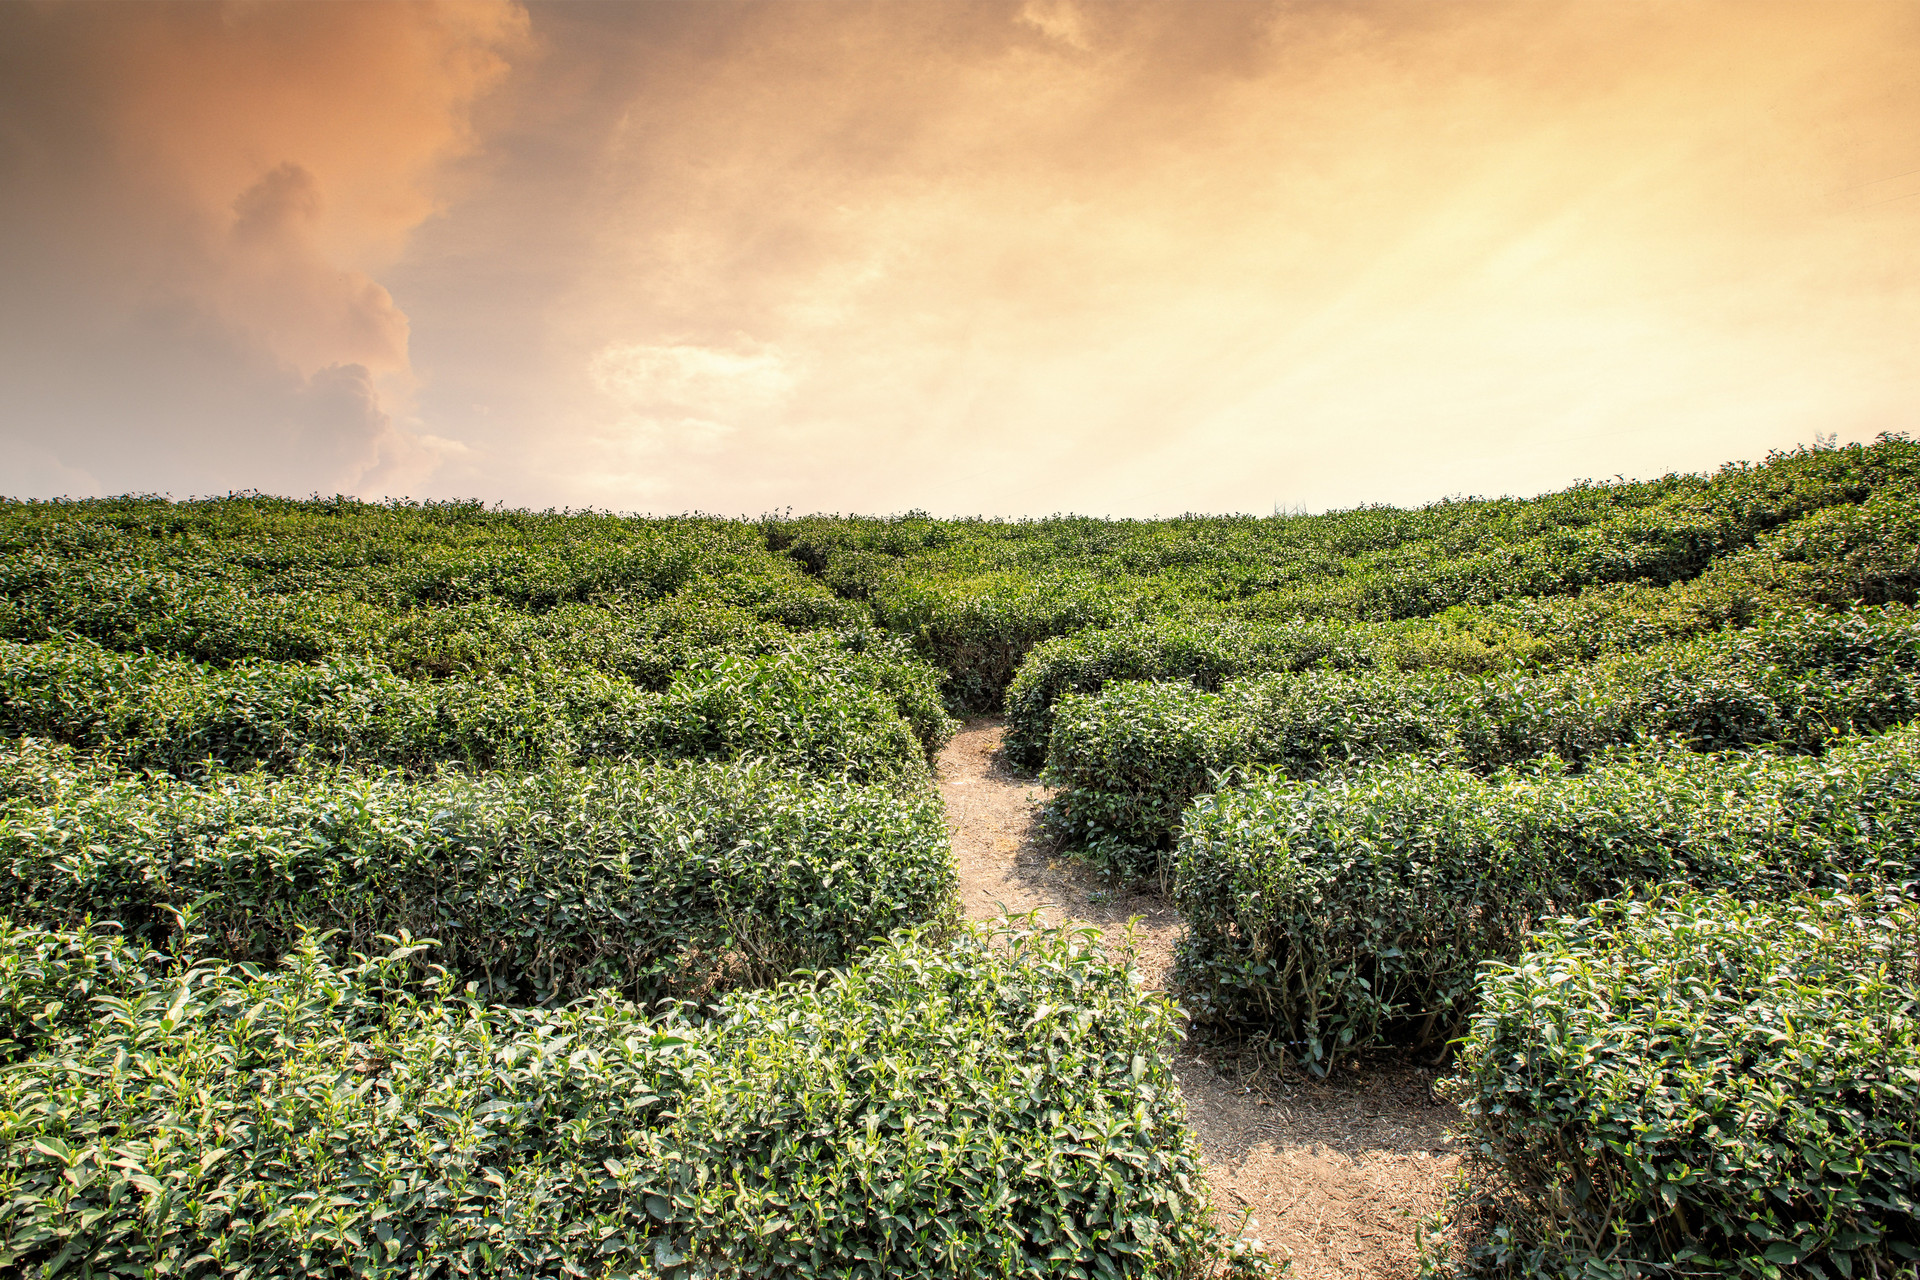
point(1333, 1175)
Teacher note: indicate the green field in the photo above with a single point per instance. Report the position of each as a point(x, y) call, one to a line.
point(432, 889)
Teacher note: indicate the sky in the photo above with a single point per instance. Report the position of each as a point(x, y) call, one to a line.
point(1005, 258)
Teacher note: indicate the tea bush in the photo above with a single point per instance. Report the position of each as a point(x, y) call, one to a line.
point(398, 555)
point(225, 623)
point(538, 886)
point(1129, 760)
point(1001, 1105)
point(825, 714)
point(1691, 1084)
point(1654, 544)
point(978, 628)
point(1837, 556)
point(883, 663)
point(1343, 913)
point(688, 754)
point(816, 716)
point(1210, 651)
point(1204, 653)
point(456, 588)
point(151, 712)
point(437, 589)
point(977, 594)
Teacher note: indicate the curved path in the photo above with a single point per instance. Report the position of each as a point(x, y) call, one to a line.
point(1332, 1176)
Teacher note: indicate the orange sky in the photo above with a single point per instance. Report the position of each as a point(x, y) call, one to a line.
point(1010, 258)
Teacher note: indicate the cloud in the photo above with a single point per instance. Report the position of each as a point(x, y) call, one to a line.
point(703, 379)
point(680, 396)
point(218, 188)
point(1005, 256)
point(1145, 257)
point(344, 431)
point(1060, 19)
point(272, 278)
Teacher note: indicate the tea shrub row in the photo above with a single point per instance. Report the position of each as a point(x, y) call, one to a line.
point(221, 622)
point(394, 556)
point(998, 1105)
point(977, 595)
point(1238, 557)
point(977, 629)
point(820, 712)
point(1839, 556)
point(459, 588)
point(1128, 761)
point(710, 768)
point(224, 624)
point(538, 886)
point(809, 690)
point(429, 590)
point(1690, 1084)
point(1339, 914)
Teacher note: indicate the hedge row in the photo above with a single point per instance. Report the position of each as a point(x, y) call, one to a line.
point(979, 594)
point(1001, 1105)
point(1128, 761)
point(393, 555)
point(1208, 652)
point(430, 591)
point(1339, 914)
point(1695, 1085)
point(980, 627)
point(1869, 553)
point(977, 629)
point(820, 697)
point(539, 886)
point(1205, 653)
point(223, 622)
point(441, 588)
point(824, 713)
point(1238, 557)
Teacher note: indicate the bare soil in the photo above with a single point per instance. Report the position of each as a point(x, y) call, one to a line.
point(1331, 1176)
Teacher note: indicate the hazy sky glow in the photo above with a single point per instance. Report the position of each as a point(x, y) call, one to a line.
point(1001, 258)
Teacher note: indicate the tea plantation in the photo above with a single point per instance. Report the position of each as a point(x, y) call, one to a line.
point(430, 889)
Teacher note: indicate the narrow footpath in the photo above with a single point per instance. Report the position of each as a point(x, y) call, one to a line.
point(1333, 1175)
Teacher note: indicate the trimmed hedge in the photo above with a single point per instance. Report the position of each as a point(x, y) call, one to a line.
point(134, 610)
point(539, 886)
point(439, 589)
point(1204, 653)
point(394, 556)
point(1695, 1085)
point(884, 663)
point(978, 594)
point(978, 628)
point(1837, 556)
point(1340, 914)
point(429, 591)
point(178, 717)
point(1128, 761)
point(1208, 652)
point(1002, 1105)
point(820, 716)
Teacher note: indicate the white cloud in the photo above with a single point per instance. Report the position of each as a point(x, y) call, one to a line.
point(1057, 19)
point(689, 398)
point(706, 380)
